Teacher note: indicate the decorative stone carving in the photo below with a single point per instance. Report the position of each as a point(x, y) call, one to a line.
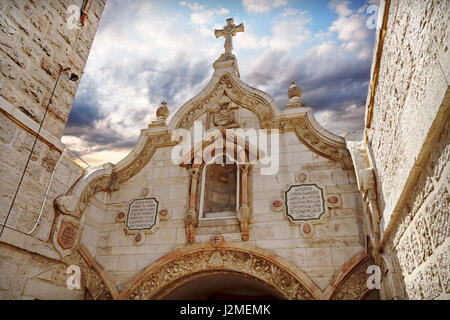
point(305, 202)
point(93, 277)
point(228, 32)
point(302, 177)
point(295, 97)
point(277, 205)
point(121, 217)
point(139, 239)
point(191, 218)
point(354, 287)
point(307, 230)
point(142, 218)
point(224, 115)
point(236, 91)
point(103, 177)
point(334, 201)
point(162, 113)
point(67, 234)
point(144, 192)
point(164, 214)
point(216, 240)
point(167, 276)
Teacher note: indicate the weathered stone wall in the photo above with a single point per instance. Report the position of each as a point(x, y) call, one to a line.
point(34, 42)
point(420, 242)
point(408, 144)
point(409, 99)
point(320, 256)
point(25, 276)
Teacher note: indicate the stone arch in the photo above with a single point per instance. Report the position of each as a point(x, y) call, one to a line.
point(185, 264)
point(351, 281)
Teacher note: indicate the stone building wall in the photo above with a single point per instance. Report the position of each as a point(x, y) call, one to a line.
point(320, 256)
point(35, 41)
point(408, 143)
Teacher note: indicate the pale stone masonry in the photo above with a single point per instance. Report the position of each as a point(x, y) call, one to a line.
point(377, 197)
point(34, 42)
point(407, 141)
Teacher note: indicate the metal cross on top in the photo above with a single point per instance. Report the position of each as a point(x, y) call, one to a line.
point(228, 32)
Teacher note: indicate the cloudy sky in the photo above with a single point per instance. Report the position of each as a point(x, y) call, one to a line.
point(147, 51)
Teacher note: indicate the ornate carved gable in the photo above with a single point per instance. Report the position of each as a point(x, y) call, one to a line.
point(224, 141)
point(225, 84)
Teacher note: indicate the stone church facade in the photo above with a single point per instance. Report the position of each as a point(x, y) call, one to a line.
point(230, 195)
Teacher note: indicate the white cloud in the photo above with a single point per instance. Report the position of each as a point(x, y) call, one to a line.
point(351, 28)
point(147, 56)
point(289, 30)
point(201, 15)
point(261, 6)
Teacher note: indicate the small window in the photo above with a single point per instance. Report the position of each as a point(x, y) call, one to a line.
point(220, 189)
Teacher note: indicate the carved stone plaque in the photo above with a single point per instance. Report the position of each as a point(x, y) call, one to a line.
point(67, 235)
point(142, 214)
point(305, 202)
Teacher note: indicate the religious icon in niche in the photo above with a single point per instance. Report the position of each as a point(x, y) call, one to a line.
point(219, 189)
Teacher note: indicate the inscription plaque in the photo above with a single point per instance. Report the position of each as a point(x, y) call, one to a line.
point(304, 202)
point(67, 235)
point(142, 214)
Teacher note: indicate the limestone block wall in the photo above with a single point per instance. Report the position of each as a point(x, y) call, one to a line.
point(321, 256)
point(408, 144)
point(419, 245)
point(34, 42)
point(409, 98)
point(115, 251)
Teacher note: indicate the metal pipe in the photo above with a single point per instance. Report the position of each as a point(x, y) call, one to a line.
point(46, 193)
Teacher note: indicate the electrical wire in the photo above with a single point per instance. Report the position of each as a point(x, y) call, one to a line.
point(31, 153)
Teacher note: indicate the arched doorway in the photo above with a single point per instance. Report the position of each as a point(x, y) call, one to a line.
point(259, 271)
point(224, 286)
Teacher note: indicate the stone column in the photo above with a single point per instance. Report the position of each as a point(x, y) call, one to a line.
point(191, 215)
point(243, 214)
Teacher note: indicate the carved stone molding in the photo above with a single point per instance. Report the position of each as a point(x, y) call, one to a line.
point(108, 176)
point(351, 282)
point(229, 85)
point(180, 266)
point(67, 234)
point(314, 136)
point(93, 277)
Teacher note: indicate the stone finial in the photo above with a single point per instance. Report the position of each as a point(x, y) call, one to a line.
point(294, 91)
point(295, 96)
point(162, 113)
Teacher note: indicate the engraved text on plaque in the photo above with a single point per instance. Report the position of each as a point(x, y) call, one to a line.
point(142, 214)
point(304, 202)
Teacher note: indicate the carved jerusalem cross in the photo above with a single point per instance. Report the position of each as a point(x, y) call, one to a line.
point(228, 32)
